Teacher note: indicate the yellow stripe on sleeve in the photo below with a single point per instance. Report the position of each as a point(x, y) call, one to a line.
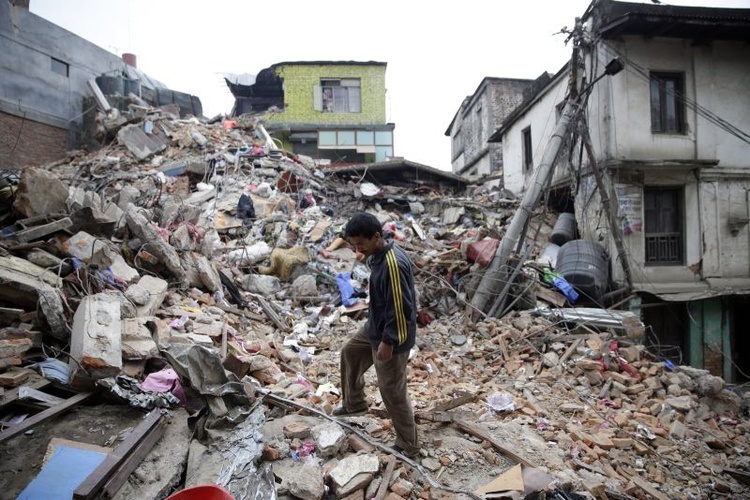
point(398, 299)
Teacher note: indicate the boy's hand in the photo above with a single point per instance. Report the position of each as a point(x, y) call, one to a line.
point(385, 351)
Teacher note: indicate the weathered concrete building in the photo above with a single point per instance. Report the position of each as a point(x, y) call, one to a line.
point(328, 110)
point(477, 117)
point(44, 70)
point(669, 134)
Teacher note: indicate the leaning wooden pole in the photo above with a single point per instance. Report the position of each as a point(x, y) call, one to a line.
point(614, 224)
point(497, 274)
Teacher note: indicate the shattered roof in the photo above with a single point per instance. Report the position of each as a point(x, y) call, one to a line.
point(330, 63)
point(612, 19)
point(399, 170)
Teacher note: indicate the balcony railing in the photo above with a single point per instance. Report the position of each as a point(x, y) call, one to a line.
point(664, 248)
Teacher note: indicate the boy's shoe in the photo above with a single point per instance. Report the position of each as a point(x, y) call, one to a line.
point(341, 411)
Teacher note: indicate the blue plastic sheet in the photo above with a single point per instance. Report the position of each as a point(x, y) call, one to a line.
point(566, 288)
point(345, 287)
point(65, 471)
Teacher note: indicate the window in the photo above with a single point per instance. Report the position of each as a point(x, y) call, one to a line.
point(480, 125)
point(663, 225)
point(457, 143)
point(59, 67)
point(667, 105)
point(340, 96)
point(528, 152)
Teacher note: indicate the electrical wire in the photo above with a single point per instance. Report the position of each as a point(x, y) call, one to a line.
point(644, 74)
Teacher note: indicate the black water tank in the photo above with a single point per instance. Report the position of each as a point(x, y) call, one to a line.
point(564, 230)
point(111, 85)
point(585, 265)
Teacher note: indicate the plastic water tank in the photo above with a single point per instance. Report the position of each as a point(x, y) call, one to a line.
point(548, 256)
point(585, 265)
point(111, 85)
point(564, 230)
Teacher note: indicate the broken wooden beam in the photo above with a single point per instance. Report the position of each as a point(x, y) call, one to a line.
point(483, 434)
point(37, 232)
point(101, 101)
point(115, 467)
point(386, 479)
point(456, 402)
point(44, 415)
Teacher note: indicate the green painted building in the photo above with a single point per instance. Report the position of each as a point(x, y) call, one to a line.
point(328, 110)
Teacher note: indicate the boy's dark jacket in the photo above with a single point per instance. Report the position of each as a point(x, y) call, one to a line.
point(393, 307)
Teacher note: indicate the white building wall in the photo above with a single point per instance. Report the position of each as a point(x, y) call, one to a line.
point(716, 200)
point(542, 118)
point(717, 77)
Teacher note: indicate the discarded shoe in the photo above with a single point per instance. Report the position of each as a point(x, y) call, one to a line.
point(341, 411)
point(398, 449)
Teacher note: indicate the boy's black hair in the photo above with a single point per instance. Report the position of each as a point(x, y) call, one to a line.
point(362, 224)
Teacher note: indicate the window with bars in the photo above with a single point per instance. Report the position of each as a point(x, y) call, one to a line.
point(338, 96)
point(663, 225)
point(667, 103)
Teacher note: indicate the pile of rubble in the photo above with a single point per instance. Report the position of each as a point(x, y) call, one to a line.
point(194, 265)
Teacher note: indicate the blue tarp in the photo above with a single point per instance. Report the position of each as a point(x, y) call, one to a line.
point(62, 474)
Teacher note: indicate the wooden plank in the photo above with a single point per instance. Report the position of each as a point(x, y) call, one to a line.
point(483, 434)
point(504, 346)
point(99, 95)
point(137, 456)
point(740, 475)
point(37, 232)
point(551, 296)
point(456, 402)
point(570, 350)
point(44, 415)
point(92, 486)
point(384, 482)
point(26, 392)
point(645, 485)
point(11, 395)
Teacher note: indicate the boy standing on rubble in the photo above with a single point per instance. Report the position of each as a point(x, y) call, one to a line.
point(387, 337)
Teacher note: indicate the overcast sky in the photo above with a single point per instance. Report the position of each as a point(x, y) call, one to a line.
point(437, 52)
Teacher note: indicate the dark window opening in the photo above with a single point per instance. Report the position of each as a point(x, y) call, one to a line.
point(663, 225)
point(667, 103)
point(528, 152)
point(341, 96)
point(60, 67)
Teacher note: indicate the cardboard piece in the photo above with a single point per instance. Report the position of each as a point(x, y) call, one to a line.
point(510, 480)
point(518, 478)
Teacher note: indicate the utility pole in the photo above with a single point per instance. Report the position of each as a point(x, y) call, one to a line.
point(497, 274)
point(614, 224)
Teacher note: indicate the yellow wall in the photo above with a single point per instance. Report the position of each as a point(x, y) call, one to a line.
point(299, 81)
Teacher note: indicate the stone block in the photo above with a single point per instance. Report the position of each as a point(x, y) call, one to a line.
point(91, 250)
point(209, 276)
point(351, 466)
point(307, 482)
point(147, 295)
point(358, 483)
point(137, 340)
point(298, 430)
point(329, 438)
point(96, 340)
point(34, 181)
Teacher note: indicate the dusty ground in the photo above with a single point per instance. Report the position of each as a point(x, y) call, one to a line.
point(467, 464)
point(21, 457)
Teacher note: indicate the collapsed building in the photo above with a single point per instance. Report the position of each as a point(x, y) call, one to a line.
point(183, 292)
